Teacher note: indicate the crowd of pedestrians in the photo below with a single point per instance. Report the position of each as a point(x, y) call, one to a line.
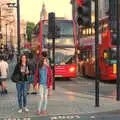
point(32, 77)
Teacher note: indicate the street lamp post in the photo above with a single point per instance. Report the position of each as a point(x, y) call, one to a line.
point(18, 27)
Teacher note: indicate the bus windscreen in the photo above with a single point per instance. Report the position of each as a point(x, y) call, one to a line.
point(64, 46)
point(66, 27)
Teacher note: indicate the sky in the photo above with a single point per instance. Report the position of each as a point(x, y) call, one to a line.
point(30, 9)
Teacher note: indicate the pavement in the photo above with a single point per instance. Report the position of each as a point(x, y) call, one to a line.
point(63, 104)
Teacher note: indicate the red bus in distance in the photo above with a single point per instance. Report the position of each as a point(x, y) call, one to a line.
point(107, 52)
point(65, 65)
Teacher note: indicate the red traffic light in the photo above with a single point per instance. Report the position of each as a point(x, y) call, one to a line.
point(84, 12)
point(79, 2)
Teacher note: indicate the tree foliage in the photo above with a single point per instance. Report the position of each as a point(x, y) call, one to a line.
point(29, 29)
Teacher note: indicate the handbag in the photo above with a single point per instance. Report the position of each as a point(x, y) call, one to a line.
point(16, 77)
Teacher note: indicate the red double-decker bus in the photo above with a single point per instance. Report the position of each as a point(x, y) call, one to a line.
point(65, 65)
point(107, 52)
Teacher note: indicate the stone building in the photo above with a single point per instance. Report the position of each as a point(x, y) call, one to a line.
point(103, 8)
point(8, 25)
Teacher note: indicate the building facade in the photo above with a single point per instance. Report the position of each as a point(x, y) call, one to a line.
point(103, 8)
point(8, 25)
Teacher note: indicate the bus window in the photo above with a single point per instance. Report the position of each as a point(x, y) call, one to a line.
point(70, 60)
point(112, 56)
point(89, 31)
point(83, 32)
point(106, 56)
point(84, 55)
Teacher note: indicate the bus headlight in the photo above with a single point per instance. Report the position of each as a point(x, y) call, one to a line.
point(72, 69)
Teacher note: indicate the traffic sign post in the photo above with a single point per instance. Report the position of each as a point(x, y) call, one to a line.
point(51, 35)
point(118, 53)
point(97, 54)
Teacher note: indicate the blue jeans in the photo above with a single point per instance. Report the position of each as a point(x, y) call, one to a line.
point(43, 93)
point(22, 94)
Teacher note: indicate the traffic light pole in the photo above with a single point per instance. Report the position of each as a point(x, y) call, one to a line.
point(118, 55)
point(53, 65)
point(96, 54)
point(51, 35)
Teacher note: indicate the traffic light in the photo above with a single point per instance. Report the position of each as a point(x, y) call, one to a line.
point(57, 31)
point(51, 25)
point(112, 21)
point(114, 38)
point(84, 12)
point(112, 14)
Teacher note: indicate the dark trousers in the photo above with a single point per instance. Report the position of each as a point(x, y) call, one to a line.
point(22, 94)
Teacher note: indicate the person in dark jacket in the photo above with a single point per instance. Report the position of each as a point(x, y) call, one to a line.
point(31, 63)
point(21, 85)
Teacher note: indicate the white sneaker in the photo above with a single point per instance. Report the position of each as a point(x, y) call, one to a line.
point(26, 109)
point(20, 111)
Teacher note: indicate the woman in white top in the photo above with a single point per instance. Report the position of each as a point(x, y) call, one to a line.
point(4, 74)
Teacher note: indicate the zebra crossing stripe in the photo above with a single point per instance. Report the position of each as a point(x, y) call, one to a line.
point(62, 117)
point(17, 119)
